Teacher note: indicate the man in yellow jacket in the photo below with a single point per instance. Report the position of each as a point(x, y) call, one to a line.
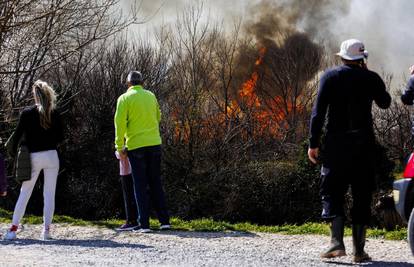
point(137, 137)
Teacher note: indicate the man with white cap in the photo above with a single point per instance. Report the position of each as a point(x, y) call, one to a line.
point(137, 137)
point(345, 96)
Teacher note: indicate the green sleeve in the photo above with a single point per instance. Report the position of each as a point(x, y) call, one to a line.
point(158, 111)
point(120, 121)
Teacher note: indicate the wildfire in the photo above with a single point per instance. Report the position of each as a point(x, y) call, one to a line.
point(262, 53)
point(269, 113)
point(247, 91)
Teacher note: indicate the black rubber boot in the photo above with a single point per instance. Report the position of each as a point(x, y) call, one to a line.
point(358, 240)
point(337, 248)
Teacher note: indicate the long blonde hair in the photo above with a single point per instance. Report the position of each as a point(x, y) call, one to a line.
point(45, 99)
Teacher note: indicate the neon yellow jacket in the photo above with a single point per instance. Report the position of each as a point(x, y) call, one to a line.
point(137, 119)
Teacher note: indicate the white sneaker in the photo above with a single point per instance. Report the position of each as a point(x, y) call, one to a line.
point(45, 234)
point(10, 235)
point(143, 230)
point(165, 227)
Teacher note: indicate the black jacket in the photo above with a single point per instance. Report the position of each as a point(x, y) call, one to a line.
point(345, 96)
point(36, 137)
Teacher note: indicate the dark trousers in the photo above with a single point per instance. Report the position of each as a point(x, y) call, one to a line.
point(3, 179)
point(348, 162)
point(131, 210)
point(146, 165)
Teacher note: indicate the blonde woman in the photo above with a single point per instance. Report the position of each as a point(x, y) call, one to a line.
point(42, 128)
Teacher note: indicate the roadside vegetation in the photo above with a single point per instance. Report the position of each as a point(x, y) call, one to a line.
point(209, 225)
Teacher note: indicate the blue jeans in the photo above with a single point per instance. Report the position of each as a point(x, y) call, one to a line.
point(146, 165)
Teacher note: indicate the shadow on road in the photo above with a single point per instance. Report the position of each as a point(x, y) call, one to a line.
point(90, 243)
point(387, 263)
point(205, 235)
point(371, 263)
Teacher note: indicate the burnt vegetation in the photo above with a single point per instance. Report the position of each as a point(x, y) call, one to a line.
point(235, 107)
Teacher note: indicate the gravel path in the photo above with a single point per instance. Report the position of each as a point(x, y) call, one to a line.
point(92, 246)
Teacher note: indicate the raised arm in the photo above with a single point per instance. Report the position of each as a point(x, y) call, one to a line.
point(381, 97)
point(408, 95)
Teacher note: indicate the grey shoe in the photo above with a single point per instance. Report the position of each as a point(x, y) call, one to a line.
point(127, 227)
point(165, 227)
point(143, 231)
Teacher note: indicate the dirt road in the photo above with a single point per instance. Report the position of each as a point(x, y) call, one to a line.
point(92, 246)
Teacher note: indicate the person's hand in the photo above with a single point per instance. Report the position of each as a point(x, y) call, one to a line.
point(3, 194)
point(412, 70)
point(123, 155)
point(313, 154)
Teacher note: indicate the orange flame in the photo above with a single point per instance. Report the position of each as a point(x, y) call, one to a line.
point(262, 53)
point(247, 91)
point(269, 113)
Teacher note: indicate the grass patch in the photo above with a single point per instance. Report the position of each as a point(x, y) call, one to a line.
point(209, 225)
point(398, 234)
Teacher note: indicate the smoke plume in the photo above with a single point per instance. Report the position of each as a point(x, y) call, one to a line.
point(384, 26)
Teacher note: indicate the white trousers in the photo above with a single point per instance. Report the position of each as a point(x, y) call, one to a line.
point(47, 161)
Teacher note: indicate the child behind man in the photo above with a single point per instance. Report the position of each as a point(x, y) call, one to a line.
point(3, 180)
point(131, 210)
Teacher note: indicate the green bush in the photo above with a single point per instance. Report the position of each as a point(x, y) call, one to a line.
point(274, 193)
point(264, 192)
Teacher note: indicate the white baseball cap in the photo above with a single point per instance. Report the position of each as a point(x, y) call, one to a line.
point(412, 70)
point(352, 49)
